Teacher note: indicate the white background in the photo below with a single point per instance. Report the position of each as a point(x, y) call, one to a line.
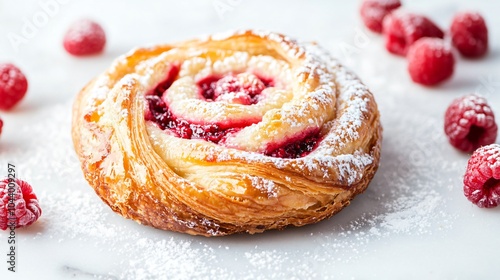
point(413, 222)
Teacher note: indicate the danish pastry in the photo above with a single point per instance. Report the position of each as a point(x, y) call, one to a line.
point(242, 132)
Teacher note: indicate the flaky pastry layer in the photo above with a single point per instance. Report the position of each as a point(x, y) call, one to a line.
point(194, 186)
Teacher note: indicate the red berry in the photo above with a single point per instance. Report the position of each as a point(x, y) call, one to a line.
point(430, 61)
point(469, 34)
point(18, 204)
point(402, 29)
point(84, 37)
point(13, 86)
point(482, 177)
point(373, 12)
point(470, 123)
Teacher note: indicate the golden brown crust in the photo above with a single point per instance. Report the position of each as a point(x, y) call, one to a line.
point(200, 188)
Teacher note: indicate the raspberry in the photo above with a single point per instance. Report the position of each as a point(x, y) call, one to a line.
point(373, 12)
point(17, 195)
point(469, 34)
point(402, 29)
point(430, 61)
point(84, 37)
point(482, 177)
point(470, 123)
point(13, 86)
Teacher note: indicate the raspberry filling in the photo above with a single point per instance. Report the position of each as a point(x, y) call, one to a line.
point(164, 85)
point(163, 117)
point(296, 147)
point(243, 88)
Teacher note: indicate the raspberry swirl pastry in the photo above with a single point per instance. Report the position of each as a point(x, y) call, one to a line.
point(239, 133)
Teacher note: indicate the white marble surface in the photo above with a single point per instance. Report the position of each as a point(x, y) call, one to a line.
point(412, 223)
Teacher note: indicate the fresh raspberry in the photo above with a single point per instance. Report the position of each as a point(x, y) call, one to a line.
point(482, 177)
point(84, 37)
point(13, 86)
point(402, 29)
point(373, 12)
point(469, 34)
point(469, 123)
point(18, 204)
point(430, 61)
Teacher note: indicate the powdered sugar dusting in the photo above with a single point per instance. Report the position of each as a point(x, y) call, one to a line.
point(52, 154)
point(352, 91)
point(266, 186)
point(412, 215)
point(337, 87)
point(350, 166)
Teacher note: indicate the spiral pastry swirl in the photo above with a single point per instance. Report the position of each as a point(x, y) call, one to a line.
point(242, 132)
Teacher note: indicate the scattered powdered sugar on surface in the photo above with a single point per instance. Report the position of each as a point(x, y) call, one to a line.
point(76, 215)
point(410, 185)
point(414, 212)
point(271, 262)
point(50, 153)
